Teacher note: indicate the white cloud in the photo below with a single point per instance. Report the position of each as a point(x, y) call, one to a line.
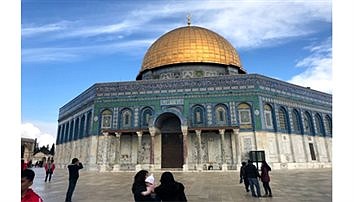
point(69, 54)
point(28, 31)
point(249, 24)
point(44, 132)
point(318, 68)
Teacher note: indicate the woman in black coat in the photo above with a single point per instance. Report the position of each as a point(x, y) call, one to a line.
point(139, 189)
point(169, 189)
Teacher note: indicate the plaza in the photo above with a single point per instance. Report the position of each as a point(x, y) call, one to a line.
point(287, 185)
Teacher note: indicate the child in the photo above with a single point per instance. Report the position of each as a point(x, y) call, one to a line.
point(150, 183)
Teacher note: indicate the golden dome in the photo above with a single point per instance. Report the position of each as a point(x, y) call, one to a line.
point(190, 44)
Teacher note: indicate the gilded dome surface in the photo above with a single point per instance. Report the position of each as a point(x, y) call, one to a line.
point(190, 44)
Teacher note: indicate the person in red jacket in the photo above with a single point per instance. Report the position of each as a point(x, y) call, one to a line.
point(49, 169)
point(27, 194)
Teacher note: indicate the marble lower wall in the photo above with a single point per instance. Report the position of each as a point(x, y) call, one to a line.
point(121, 153)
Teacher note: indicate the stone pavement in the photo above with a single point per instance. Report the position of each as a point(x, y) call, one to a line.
point(287, 186)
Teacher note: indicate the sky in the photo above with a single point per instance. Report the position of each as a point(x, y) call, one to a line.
point(67, 46)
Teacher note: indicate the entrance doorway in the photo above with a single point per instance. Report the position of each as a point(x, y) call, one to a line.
point(171, 141)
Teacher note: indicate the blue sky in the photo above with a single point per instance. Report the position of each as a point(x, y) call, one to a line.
point(67, 46)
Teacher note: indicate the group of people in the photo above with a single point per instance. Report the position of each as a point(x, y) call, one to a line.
point(249, 176)
point(145, 189)
point(27, 176)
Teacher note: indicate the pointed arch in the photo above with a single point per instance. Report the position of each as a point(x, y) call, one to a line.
point(70, 135)
point(244, 115)
point(146, 116)
point(88, 124)
point(268, 116)
point(82, 127)
point(220, 114)
point(283, 120)
point(319, 125)
point(328, 124)
point(106, 118)
point(198, 117)
point(308, 125)
point(126, 118)
point(296, 121)
point(76, 128)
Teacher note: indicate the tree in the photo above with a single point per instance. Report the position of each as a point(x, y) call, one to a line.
point(44, 150)
point(52, 150)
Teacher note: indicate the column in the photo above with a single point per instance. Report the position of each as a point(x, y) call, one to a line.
point(316, 145)
point(152, 146)
point(153, 132)
point(140, 155)
point(116, 166)
point(327, 148)
point(304, 147)
point(292, 148)
point(236, 154)
point(222, 142)
point(185, 147)
point(278, 146)
point(103, 165)
point(199, 160)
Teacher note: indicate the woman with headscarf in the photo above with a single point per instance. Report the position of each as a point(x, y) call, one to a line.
point(140, 190)
point(169, 189)
point(265, 168)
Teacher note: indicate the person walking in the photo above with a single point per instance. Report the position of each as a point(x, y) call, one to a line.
point(252, 174)
point(49, 169)
point(169, 189)
point(73, 168)
point(265, 168)
point(243, 177)
point(140, 190)
point(27, 194)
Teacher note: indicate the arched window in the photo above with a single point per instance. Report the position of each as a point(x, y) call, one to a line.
point(244, 115)
point(62, 133)
point(283, 119)
point(82, 127)
point(67, 132)
point(126, 118)
point(328, 123)
point(70, 131)
point(58, 135)
point(319, 125)
point(76, 129)
point(308, 127)
point(296, 121)
point(198, 115)
point(146, 116)
point(88, 124)
point(106, 121)
point(220, 113)
point(268, 117)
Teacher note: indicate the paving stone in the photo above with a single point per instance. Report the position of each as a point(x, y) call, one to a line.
point(287, 186)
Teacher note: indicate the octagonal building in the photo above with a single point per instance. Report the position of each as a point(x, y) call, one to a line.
point(194, 107)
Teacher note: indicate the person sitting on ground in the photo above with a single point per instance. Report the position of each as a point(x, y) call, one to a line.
point(169, 189)
point(27, 194)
